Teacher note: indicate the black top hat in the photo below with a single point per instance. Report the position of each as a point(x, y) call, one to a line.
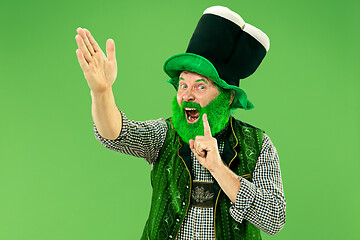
point(223, 48)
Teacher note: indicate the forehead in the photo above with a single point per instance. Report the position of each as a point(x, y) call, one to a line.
point(193, 76)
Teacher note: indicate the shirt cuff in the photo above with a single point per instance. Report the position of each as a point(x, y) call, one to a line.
point(244, 200)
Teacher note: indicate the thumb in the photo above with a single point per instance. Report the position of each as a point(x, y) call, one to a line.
point(191, 144)
point(110, 50)
point(192, 147)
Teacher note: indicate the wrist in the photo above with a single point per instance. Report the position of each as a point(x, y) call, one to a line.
point(219, 170)
point(101, 93)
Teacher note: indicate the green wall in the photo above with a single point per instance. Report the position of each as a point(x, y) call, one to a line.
point(58, 183)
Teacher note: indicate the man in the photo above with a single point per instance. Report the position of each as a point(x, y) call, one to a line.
point(213, 177)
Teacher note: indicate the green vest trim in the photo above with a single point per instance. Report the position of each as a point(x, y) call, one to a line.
point(172, 183)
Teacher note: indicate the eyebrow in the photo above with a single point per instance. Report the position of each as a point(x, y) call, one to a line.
point(201, 80)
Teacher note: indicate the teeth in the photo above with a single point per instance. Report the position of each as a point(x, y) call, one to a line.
point(190, 118)
point(190, 109)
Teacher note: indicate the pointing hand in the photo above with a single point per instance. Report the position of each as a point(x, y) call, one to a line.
point(205, 148)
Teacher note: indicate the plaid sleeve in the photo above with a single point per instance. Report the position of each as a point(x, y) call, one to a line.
point(139, 139)
point(262, 201)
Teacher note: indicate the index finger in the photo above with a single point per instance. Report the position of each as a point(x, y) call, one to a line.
point(92, 41)
point(207, 130)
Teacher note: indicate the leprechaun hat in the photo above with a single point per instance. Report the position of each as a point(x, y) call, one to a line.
point(223, 48)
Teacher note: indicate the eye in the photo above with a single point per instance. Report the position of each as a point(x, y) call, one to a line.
point(202, 87)
point(183, 86)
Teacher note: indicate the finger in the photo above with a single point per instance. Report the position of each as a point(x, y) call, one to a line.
point(194, 146)
point(193, 149)
point(202, 154)
point(83, 64)
point(83, 48)
point(110, 50)
point(92, 41)
point(199, 147)
point(89, 46)
point(191, 144)
point(207, 130)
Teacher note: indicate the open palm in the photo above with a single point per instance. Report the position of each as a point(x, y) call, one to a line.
point(100, 71)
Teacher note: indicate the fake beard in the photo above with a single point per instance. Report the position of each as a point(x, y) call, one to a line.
point(218, 112)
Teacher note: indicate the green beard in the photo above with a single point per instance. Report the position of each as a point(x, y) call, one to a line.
point(217, 111)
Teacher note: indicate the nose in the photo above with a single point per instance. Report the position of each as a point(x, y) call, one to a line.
point(188, 95)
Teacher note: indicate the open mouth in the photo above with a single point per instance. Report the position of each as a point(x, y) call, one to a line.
point(192, 115)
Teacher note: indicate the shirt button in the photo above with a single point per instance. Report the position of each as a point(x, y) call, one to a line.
point(170, 236)
point(199, 211)
point(183, 203)
point(187, 186)
point(178, 220)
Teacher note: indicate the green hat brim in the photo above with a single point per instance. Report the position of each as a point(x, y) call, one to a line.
point(196, 63)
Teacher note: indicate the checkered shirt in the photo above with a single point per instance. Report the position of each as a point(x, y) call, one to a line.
point(261, 201)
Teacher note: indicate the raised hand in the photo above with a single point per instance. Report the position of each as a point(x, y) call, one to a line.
point(100, 71)
point(205, 148)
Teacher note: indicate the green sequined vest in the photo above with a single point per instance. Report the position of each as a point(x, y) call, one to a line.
point(172, 183)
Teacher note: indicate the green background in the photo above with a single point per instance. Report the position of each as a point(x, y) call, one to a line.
point(58, 182)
